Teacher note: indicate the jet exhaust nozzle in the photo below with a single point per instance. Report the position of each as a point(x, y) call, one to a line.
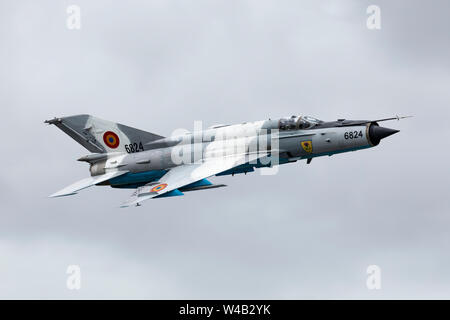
point(376, 133)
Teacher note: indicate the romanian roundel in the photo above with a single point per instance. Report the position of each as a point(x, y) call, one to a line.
point(159, 187)
point(111, 139)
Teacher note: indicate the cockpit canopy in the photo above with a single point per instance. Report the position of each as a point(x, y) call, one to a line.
point(298, 123)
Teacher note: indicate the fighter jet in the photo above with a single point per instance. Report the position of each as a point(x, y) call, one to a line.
point(157, 166)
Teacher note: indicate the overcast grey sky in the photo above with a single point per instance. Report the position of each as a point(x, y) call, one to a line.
point(308, 232)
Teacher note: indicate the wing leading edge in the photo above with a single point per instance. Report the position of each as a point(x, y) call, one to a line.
point(187, 174)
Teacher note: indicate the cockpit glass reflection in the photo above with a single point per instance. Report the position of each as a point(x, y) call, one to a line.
point(298, 123)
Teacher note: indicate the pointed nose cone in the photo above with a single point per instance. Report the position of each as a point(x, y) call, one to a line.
point(377, 133)
point(381, 132)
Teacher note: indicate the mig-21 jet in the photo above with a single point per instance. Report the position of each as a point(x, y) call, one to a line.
point(157, 166)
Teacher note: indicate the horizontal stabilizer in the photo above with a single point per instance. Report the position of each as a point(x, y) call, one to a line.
point(85, 183)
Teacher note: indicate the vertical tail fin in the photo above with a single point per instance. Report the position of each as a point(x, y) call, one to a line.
point(102, 136)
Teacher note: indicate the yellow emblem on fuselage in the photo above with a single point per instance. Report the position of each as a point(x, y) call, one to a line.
point(307, 146)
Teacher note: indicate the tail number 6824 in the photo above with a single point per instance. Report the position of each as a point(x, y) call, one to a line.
point(134, 147)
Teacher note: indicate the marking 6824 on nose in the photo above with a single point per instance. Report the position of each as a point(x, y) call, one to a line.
point(353, 134)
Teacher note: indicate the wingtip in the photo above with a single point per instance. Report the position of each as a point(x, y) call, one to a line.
point(58, 195)
point(128, 205)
